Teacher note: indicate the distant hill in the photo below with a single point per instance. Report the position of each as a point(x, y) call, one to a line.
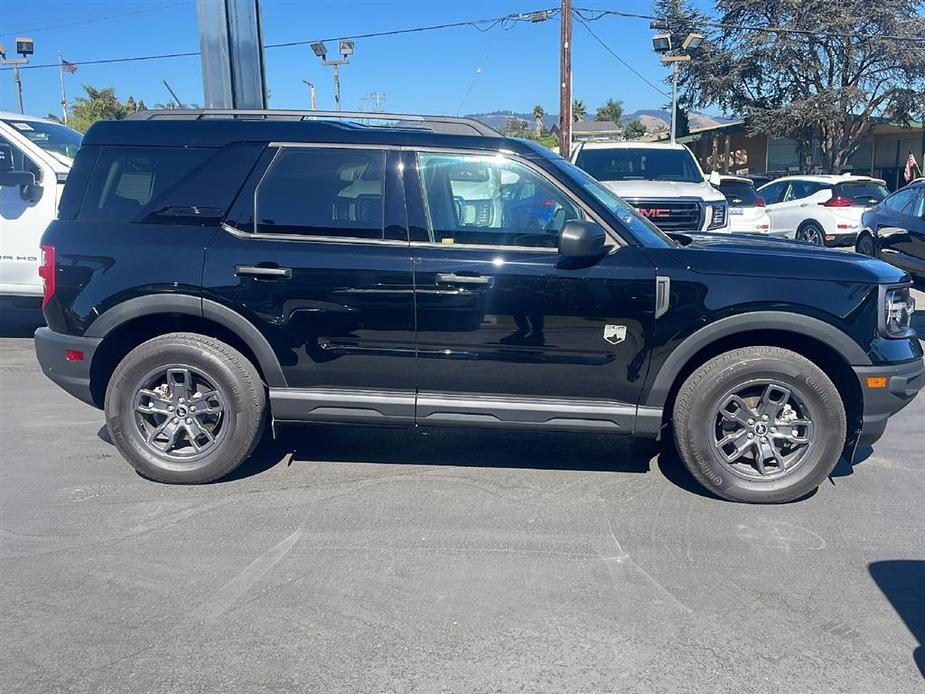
point(653, 119)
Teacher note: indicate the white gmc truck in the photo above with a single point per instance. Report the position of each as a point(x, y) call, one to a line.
point(35, 157)
point(662, 181)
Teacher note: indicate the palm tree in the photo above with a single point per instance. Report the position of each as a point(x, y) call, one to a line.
point(579, 112)
point(538, 114)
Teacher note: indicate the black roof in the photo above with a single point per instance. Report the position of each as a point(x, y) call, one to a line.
point(192, 129)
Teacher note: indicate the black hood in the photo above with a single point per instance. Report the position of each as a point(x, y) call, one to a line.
point(759, 256)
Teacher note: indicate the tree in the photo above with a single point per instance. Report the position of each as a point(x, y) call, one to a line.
point(538, 114)
point(634, 130)
point(828, 86)
point(579, 112)
point(682, 123)
point(515, 127)
point(611, 111)
point(98, 104)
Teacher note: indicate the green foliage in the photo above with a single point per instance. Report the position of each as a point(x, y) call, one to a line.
point(99, 104)
point(611, 111)
point(830, 87)
point(579, 112)
point(682, 124)
point(634, 130)
point(538, 113)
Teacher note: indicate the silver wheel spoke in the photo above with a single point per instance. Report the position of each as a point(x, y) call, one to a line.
point(767, 452)
point(735, 409)
point(740, 445)
point(196, 433)
point(149, 402)
point(795, 431)
point(180, 383)
point(209, 403)
point(772, 400)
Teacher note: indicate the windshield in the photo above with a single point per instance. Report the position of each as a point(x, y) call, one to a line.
point(58, 140)
point(640, 163)
point(862, 192)
point(641, 228)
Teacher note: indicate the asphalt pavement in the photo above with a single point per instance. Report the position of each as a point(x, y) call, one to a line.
point(344, 559)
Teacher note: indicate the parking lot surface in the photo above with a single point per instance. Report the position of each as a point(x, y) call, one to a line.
point(344, 559)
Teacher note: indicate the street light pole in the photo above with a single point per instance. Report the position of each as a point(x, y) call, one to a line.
point(336, 64)
point(346, 49)
point(311, 87)
point(674, 101)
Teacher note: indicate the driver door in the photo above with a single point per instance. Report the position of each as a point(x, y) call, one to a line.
point(508, 333)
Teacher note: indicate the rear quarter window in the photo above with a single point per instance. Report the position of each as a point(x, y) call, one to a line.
point(126, 179)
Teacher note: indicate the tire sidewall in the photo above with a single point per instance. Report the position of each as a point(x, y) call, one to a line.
point(119, 406)
point(820, 396)
point(820, 234)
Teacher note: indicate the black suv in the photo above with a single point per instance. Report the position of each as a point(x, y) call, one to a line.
point(212, 272)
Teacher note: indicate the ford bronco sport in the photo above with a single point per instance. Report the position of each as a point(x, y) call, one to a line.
point(213, 271)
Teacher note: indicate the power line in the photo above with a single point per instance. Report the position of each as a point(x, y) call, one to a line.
point(506, 22)
point(592, 15)
point(625, 64)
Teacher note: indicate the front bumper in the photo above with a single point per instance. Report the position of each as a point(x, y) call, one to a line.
point(903, 382)
point(74, 376)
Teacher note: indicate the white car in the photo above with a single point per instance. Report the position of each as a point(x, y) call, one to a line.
point(747, 213)
point(824, 210)
point(35, 158)
point(662, 181)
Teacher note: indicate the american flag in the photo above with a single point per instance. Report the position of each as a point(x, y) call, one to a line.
point(68, 67)
point(910, 165)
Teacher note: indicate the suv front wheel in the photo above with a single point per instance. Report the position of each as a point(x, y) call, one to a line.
point(759, 424)
point(185, 408)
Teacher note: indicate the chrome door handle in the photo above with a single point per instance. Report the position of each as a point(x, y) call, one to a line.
point(453, 278)
point(264, 272)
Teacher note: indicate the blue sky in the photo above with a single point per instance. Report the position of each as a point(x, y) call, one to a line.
point(429, 72)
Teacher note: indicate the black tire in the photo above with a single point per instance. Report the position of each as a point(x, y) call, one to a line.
point(812, 233)
point(699, 421)
point(212, 367)
point(866, 246)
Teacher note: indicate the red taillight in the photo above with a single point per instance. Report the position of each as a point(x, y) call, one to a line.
point(47, 273)
point(74, 354)
point(838, 201)
point(759, 202)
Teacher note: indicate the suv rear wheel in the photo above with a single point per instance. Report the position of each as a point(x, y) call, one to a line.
point(811, 233)
point(185, 408)
point(759, 424)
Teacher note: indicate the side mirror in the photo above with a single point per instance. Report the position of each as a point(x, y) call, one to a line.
point(582, 240)
point(715, 179)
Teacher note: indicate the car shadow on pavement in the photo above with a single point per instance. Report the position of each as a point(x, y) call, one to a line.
point(301, 444)
point(903, 584)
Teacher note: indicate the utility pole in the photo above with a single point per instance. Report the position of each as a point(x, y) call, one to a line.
point(674, 102)
point(378, 97)
point(565, 81)
point(24, 47)
point(311, 87)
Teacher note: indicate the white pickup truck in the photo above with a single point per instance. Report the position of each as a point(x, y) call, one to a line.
point(662, 181)
point(35, 157)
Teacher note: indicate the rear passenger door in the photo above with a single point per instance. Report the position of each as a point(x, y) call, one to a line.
point(316, 255)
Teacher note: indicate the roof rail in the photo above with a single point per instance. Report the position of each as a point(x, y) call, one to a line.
point(438, 124)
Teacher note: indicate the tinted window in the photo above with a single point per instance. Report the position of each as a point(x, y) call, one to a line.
point(900, 200)
point(126, 179)
point(322, 192)
point(773, 192)
point(490, 200)
point(738, 193)
point(643, 163)
point(918, 207)
point(862, 192)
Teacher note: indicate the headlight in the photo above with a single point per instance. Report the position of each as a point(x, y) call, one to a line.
point(718, 212)
point(896, 307)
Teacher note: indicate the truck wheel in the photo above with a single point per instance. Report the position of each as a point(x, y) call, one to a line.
point(759, 424)
point(185, 408)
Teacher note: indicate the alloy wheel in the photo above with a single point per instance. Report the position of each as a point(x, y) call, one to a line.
point(811, 233)
point(762, 429)
point(179, 413)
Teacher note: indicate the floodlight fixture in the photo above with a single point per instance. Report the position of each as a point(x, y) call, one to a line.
point(692, 42)
point(661, 43)
point(320, 49)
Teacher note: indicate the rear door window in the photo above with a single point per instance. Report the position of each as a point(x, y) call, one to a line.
point(900, 200)
point(322, 192)
point(802, 189)
point(126, 179)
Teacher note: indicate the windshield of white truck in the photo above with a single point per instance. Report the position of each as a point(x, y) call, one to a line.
point(58, 140)
point(639, 164)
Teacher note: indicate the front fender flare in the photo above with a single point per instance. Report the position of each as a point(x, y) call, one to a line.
point(747, 322)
